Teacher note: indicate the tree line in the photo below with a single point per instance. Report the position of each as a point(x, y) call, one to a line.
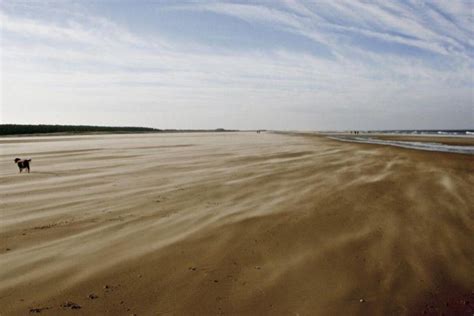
point(25, 129)
point(20, 129)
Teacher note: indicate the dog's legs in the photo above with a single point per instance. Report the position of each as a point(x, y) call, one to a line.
point(28, 169)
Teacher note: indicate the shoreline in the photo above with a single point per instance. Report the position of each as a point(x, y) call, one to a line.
point(451, 144)
point(457, 140)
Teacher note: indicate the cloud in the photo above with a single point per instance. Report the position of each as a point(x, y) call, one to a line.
point(74, 64)
point(418, 25)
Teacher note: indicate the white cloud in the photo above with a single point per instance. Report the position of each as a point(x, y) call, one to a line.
point(88, 69)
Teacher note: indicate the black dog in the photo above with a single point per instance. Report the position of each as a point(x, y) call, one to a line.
point(23, 164)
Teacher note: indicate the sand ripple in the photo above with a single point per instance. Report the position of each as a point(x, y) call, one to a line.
point(233, 223)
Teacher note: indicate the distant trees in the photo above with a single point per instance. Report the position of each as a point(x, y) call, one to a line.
point(19, 129)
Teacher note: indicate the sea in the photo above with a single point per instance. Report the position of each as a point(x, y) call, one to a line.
point(456, 132)
point(428, 146)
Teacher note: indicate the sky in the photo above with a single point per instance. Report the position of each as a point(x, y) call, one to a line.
point(282, 65)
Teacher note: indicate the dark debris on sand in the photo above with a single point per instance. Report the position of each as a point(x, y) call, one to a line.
point(71, 305)
point(92, 296)
point(38, 310)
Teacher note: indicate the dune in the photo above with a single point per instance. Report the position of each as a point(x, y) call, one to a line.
point(233, 224)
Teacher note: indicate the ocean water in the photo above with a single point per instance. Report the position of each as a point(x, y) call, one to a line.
point(454, 132)
point(430, 146)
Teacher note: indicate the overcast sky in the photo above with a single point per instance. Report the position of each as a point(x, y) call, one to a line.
point(307, 65)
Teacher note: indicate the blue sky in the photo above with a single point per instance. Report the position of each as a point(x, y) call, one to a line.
point(306, 65)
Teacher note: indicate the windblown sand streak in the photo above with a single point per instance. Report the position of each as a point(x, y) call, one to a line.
point(233, 223)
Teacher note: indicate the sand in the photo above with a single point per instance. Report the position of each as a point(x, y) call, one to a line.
point(233, 224)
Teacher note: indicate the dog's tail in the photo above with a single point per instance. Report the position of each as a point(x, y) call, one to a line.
point(28, 160)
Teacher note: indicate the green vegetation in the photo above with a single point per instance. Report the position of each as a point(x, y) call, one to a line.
point(15, 129)
point(19, 129)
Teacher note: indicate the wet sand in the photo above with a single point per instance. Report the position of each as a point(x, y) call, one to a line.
point(236, 224)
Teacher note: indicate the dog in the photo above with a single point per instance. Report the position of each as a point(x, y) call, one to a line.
point(23, 164)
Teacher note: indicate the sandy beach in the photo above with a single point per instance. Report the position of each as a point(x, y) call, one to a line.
point(233, 224)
